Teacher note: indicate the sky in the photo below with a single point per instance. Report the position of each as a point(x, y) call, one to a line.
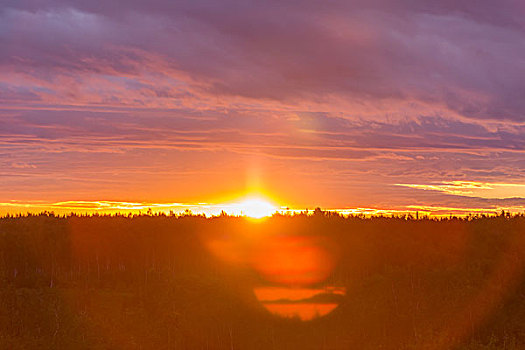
point(358, 105)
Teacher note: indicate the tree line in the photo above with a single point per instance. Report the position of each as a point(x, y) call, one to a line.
point(151, 282)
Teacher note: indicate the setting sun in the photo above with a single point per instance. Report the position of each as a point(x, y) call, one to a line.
point(256, 208)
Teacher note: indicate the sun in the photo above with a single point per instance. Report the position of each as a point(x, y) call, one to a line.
point(256, 208)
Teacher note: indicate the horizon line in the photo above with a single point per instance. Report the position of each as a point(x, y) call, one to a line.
point(231, 209)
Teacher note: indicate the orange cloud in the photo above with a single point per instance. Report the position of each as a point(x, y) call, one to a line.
point(475, 189)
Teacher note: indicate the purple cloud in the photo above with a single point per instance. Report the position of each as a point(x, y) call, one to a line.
point(353, 96)
point(466, 59)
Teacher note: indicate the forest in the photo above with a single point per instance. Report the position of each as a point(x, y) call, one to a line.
point(159, 281)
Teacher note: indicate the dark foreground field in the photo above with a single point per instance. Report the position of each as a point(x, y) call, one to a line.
point(155, 282)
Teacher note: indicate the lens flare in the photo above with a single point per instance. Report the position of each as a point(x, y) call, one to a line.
point(302, 303)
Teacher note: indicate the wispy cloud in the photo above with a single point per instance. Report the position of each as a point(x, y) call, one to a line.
point(180, 101)
point(475, 189)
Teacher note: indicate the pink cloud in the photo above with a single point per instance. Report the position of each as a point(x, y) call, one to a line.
point(351, 96)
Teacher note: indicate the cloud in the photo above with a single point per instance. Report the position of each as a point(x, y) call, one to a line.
point(449, 58)
point(343, 99)
point(476, 189)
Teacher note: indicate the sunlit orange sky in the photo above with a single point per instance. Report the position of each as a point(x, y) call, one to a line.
point(173, 105)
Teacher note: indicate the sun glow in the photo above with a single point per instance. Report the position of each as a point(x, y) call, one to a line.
point(254, 207)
